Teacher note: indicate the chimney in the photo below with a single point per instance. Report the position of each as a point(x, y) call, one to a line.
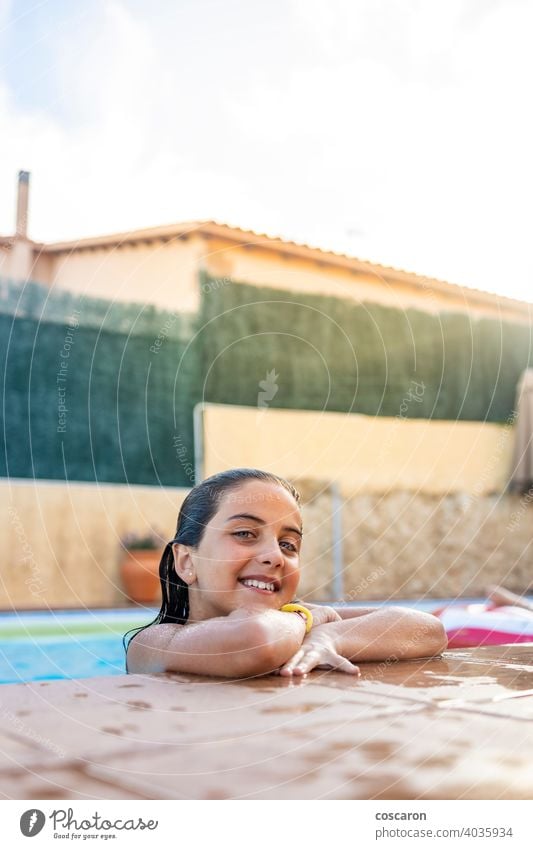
point(21, 231)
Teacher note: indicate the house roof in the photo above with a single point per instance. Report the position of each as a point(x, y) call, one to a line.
point(288, 248)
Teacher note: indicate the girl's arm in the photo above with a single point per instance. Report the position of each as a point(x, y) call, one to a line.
point(395, 633)
point(243, 644)
point(383, 634)
point(353, 612)
point(337, 611)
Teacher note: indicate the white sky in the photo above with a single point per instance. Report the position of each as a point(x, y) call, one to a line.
point(397, 131)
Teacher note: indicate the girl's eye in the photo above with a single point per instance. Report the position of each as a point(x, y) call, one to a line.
point(242, 534)
point(246, 535)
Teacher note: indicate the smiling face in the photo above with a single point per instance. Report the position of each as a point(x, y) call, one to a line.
point(249, 554)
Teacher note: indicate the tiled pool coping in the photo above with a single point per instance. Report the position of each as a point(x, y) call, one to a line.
point(444, 728)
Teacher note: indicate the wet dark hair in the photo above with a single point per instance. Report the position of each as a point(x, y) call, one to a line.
point(196, 512)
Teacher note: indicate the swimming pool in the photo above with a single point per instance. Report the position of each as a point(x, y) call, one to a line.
point(48, 645)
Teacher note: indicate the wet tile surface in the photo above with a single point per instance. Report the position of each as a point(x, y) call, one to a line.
point(55, 783)
point(459, 726)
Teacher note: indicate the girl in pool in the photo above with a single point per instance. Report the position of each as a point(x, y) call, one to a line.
point(229, 579)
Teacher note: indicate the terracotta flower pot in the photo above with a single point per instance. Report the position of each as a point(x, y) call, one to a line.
point(139, 571)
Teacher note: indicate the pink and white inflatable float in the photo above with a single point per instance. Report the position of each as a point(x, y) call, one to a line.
point(485, 625)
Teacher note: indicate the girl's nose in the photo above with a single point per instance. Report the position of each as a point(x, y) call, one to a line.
point(271, 555)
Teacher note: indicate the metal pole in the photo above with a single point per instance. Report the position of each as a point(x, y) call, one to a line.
point(198, 435)
point(337, 554)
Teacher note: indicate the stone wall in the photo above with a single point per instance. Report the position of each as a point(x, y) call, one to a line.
point(410, 545)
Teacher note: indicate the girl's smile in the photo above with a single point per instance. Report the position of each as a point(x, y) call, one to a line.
point(261, 583)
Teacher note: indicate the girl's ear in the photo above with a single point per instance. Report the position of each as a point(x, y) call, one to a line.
point(183, 563)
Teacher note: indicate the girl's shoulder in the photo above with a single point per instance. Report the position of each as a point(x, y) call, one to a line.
point(156, 634)
point(146, 648)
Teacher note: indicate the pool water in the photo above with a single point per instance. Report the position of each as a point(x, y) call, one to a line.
point(44, 646)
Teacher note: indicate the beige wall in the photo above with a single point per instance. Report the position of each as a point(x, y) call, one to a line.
point(363, 453)
point(60, 542)
point(42, 267)
point(5, 264)
point(23, 261)
point(268, 268)
point(160, 273)
point(16, 261)
point(271, 268)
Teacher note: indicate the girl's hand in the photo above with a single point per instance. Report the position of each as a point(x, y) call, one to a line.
point(322, 614)
point(317, 650)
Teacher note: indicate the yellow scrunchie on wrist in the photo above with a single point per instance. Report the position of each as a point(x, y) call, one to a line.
point(302, 611)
